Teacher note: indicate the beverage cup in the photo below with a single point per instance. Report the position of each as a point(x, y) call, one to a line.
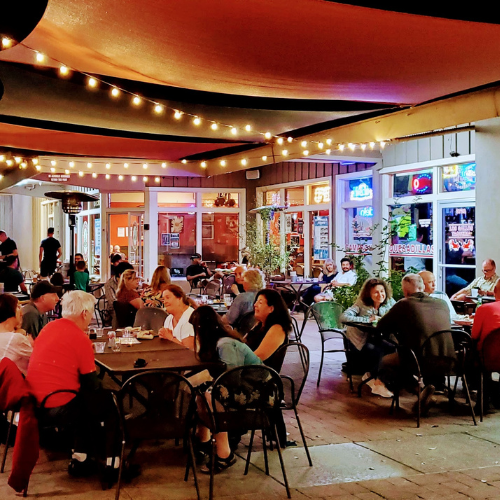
point(474, 292)
point(315, 280)
point(204, 299)
point(99, 347)
point(99, 332)
point(117, 346)
point(92, 333)
point(111, 339)
point(127, 333)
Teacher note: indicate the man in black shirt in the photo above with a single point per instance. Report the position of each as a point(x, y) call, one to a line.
point(50, 251)
point(11, 278)
point(197, 271)
point(8, 247)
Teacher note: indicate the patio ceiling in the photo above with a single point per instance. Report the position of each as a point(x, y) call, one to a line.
point(290, 68)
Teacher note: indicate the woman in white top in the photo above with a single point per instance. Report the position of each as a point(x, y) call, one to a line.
point(14, 344)
point(177, 327)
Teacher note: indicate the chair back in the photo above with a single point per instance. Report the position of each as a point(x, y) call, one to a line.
point(490, 351)
point(294, 371)
point(246, 397)
point(227, 283)
point(13, 386)
point(245, 322)
point(124, 314)
point(327, 315)
point(295, 329)
point(437, 354)
point(150, 318)
point(212, 289)
point(158, 404)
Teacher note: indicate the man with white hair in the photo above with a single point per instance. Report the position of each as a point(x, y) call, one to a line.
point(63, 359)
point(413, 320)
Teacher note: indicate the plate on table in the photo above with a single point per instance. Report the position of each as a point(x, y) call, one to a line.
point(463, 322)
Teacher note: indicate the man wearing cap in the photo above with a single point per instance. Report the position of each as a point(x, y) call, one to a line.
point(50, 251)
point(197, 271)
point(44, 298)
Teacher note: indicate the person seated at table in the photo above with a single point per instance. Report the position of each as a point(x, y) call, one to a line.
point(374, 300)
point(57, 279)
point(346, 277)
point(127, 289)
point(197, 272)
point(44, 298)
point(111, 287)
point(115, 260)
point(430, 288)
point(485, 283)
point(62, 359)
point(153, 295)
point(81, 278)
point(215, 342)
point(14, 344)
point(11, 278)
point(177, 327)
point(237, 287)
point(413, 320)
point(273, 327)
point(243, 303)
point(327, 275)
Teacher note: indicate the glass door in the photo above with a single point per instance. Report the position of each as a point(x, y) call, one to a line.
point(457, 252)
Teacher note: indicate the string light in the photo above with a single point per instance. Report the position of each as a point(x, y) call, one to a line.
point(264, 158)
point(71, 164)
point(284, 152)
point(268, 135)
point(24, 164)
point(108, 166)
point(66, 171)
point(244, 161)
point(290, 139)
point(92, 82)
point(120, 177)
point(203, 164)
point(329, 142)
point(158, 108)
point(303, 144)
point(328, 151)
point(134, 178)
point(234, 131)
point(115, 92)
point(320, 145)
point(40, 57)
point(125, 165)
point(351, 146)
point(52, 169)
point(363, 147)
point(9, 163)
point(145, 179)
point(38, 167)
point(64, 70)
point(177, 114)
point(223, 163)
point(108, 177)
point(136, 100)
point(305, 152)
point(341, 147)
point(35, 161)
point(94, 175)
point(18, 159)
point(157, 180)
point(144, 166)
point(372, 145)
point(6, 42)
point(214, 126)
point(280, 141)
point(80, 173)
point(163, 165)
point(184, 161)
point(2, 158)
point(89, 165)
point(382, 144)
point(248, 128)
point(53, 163)
point(197, 120)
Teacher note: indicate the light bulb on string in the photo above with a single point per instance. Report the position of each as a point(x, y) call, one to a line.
point(53, 163)
point(203, 164)
point(145, 179)
point(2, 158)
point(34, 161)
point(134, 178)
point(197, 120)
point(268, 135)
point(328, 151)
point(108, 177)
point(144, 166)
point(108, 166)
point(80, 173)
point(66, 172)
point(125, 165)
point(89, 165)
point(284, 152)
point(382, 144)
point(303, 144)
point(248, 128)
point(9, 163)
point(177, 114)
point(363, 147)
point(92, 82)
point(223, 163)
point(71, 164)
point(184, 161)
point(17, 159)
point(305, 152)
point(280, 141)
point(64, 70)
point(351, 146)
point(214, 126)
point(264, 158)
point(372, 145)
point(320, 145)
point(94, 175)
point(158, 108)
point(52, 169)
point(136, 100)
point(38, 167)
point(157, 180)
point(163, 165)
point(329, 142)
point(40, 57)
point(234, 131)
point(115, 92)
point(23, 164)
point(6, 42)
point(244, 161)
point(341, 147)
point(120, 177)
point(290, 139)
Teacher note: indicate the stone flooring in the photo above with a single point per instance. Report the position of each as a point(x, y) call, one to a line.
point(359, 452)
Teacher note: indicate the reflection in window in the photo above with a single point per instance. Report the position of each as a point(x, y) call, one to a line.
point(176, 241)
point(411, 236)
point(123, 200)
point(359, 228)
point(294, 197)
point(459, 235)
point(210, 200)
point(319, 193)
point(272, 198)
point(220, 238)
point(360, 189)
point(413, 183)
point(176, 199)
point(460, 177)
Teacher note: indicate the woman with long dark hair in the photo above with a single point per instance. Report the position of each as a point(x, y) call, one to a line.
point(274, 325)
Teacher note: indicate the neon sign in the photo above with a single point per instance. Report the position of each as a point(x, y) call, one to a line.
point(360, 190)
point(321, 194)
point(366, 212)
point(422, 183)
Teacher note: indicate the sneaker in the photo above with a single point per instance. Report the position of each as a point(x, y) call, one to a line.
point(426, 399)
point(82, 469)
point(220, 464)
point(381, 390)
point(366, 375)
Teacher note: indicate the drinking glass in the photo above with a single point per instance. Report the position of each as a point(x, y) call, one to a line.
point(99, 332)
point(99, 347)
point(117, 346)
point(204, 299)
point(228, 300)
point(127, 333)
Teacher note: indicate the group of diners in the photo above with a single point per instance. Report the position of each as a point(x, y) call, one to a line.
point(60, 355)
point(409, 323)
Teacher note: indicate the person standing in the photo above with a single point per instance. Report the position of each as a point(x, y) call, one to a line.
point(11, 278)
point(50, 251)
point(8, 247)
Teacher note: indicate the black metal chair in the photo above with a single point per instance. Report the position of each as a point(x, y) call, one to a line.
point(429, 364)
point(124, 314)
point(293, 373)
point(150, 318)
point(490, 363)
point(242, 399)
point(295, 329)
point(327, 315)
point(227, 282)
point(245, 323)
point(156, 405)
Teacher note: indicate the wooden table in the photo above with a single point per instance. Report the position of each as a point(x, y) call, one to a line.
point(156, 344)
point(160, 354)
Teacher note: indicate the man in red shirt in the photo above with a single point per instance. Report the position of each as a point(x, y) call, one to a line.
point(487, 318)
point(63, 358)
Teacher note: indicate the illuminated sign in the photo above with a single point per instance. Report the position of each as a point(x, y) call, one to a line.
point(366, 212)
point(411, 250)
point(462, 230)
point(450, 171)
point(321, 194)
point(455, 245)
point(422, 183)
point(360, 190)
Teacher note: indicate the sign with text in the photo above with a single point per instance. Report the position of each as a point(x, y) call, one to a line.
point(59, 177)
point(321, 247)
point(411, 250)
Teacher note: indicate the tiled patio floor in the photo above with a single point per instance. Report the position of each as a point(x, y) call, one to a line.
point(359, 451)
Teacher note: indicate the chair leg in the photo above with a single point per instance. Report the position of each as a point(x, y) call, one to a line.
point(120, 471)
point(275, 431)
point(481, 397)
point(212, 467)
point(191, 460)
point(11, 423)
point(249, 452)
point(469, 400)
point(303, 437)
point(418, 405)
point(264, 445)
point(321, 363)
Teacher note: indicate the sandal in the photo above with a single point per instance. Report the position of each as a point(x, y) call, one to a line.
point(220, 464)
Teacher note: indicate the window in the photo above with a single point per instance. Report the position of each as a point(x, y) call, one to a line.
point(408, 184)
point(461, 177)
point(411, 236)
point(359, 225)
point(360, 189)
point(220, 238)
point(210, 200)
point(272, 197)
point(319, 193)
point(174, 199)
point(176, 241)
point(294, 197)
point(124, 200)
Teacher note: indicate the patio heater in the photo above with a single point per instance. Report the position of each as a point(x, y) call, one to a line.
point(72, 204)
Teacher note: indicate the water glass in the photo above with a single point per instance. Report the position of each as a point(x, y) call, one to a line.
point(99, 347)
point(99, 332)
point(228, 300)
point(127, 333)
point(111, 339)
point(204, 299)
point(117, 346)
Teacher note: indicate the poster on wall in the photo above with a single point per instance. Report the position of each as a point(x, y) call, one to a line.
point(97, 236)
point(288, 223)
point(320, 241)
point(174, 240)
point(85, 241)
point(165, 239)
